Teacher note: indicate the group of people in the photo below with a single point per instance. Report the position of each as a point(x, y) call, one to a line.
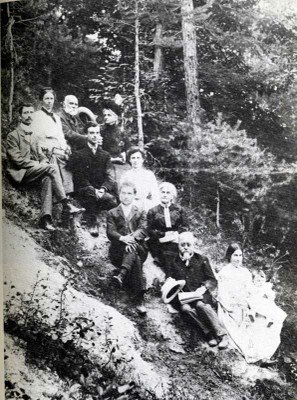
point(76, 159)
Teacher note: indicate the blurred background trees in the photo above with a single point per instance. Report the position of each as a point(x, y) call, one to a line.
point(239, 163)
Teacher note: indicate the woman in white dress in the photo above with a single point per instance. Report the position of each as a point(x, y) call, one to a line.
point(255, 335)
point(147, 190)
point(47, 129)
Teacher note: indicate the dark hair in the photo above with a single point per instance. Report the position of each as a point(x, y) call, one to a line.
point(45, 90)
point(133, 150)
point(231, 249)
point(90, 124)
point(111, 105)
point(23, 105)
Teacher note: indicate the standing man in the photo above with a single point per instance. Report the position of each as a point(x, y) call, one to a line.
point(26, 163)
point(73, 128)
point(93, 176)
point(126, 229)
point(196, 271)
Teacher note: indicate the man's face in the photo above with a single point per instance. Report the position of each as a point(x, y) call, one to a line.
point(48, 101)
point(186, 246)
point(27, 115)
point(94, 135)
point(110, 117)
point(127, 195)
point(71, 105)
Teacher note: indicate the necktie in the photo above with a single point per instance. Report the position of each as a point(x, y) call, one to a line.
point(50, 114)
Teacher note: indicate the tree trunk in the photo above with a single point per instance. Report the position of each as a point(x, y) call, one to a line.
point(137, 80)
point(158, 58)
point(12, 59)
point(190, 63)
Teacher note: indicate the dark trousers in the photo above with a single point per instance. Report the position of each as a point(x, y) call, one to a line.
point(203, 314)
point(94, 205)
point(51, 185)
point(166, 252)
point(132, 262)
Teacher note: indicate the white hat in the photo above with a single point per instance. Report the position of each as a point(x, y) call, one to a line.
point(171, 288)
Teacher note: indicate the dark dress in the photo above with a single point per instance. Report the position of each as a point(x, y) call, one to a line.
point(166, 252)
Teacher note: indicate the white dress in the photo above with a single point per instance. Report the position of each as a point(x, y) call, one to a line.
point(241, 303)
point(147, 190)
point(49, 134)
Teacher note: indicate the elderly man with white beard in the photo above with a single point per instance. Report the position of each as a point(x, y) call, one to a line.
point(73, 128)
point(196, 271)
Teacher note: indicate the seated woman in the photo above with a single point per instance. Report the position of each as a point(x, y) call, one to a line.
point(165, 222)
point(47, 129)
point(251, 334)
point(147, 191)
point(126, 230)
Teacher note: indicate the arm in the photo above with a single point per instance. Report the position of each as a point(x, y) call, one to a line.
point(78, 165)
point(15, 155)
point(153, 232)
point(73, 137)
point(111, 227)
point(109, 181)
point(154, 188)
point(209, 278)
point(184, 223)
point(141, 232)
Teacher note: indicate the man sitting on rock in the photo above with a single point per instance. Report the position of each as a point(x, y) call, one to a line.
point(26, 164)
point(197, 273)
point(93, 177)
point(73, 128)
point(126, 229)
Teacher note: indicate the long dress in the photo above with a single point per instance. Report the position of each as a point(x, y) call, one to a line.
point(241, 309)
point(147, 190)
point(48, 131)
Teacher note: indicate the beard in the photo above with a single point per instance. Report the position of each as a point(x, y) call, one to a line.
point(187, 254)
point(70, 111)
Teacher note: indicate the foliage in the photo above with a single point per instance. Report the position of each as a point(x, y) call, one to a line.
point(58, 345)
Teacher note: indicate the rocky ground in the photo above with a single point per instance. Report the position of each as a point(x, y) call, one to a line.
point(71, 336)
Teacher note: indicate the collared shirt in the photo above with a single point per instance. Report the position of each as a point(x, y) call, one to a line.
point(167, 215)
point(93, 148)
point(49, 113)
point(186, 260)
point(126, 210)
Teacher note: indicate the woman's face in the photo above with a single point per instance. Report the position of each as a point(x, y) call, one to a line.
point(136, 160)
point(236, 258)
point(48, 100)
point(166, 195)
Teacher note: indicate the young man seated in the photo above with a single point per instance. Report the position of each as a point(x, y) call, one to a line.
point(197, 273)
point(126, 229)
point(93, 177)
point(26, 164)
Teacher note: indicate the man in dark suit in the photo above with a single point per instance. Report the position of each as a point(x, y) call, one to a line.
point(126, 229)
point(27, 163)
point(73, 128)
point(197, 272)
point(93, 177)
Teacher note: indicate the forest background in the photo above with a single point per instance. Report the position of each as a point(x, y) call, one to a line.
point(229, 142)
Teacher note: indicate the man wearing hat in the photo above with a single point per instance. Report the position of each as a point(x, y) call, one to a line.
point(196, 271)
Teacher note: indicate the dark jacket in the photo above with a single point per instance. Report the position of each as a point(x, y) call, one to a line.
point(156, 221)
point(73, 130)
point(195, 274)
point(118, 225)
point(91, 169)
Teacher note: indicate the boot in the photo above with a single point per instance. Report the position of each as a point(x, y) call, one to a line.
point(46, 223)
point(70, 208)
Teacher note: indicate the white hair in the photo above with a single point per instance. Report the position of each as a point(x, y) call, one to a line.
point(169, 186)
point(186, 236)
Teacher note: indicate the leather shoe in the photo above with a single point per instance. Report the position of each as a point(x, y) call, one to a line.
point(212, 342)
point(223, 342)
point(46, 223)
point(141, 309)
point(117, 281)
point(71, 209)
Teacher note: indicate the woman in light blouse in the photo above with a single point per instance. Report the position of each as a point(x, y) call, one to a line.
point(47, 129)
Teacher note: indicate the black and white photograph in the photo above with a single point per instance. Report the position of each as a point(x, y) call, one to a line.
point(149, 199)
